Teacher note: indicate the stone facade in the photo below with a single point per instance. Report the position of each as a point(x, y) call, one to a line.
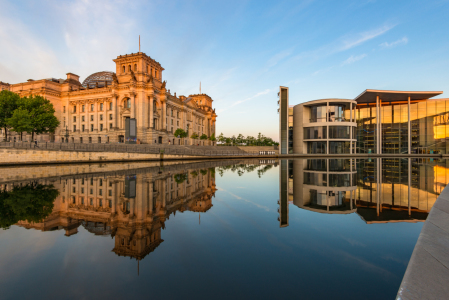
point(97, 114)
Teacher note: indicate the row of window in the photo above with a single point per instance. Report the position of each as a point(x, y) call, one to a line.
point(83, 127)
point(100, 182)
point(92, 107)
point(100, 202)
point(100, 191)
point(335, 180)
point(91, 118)
point(149, 70)
point(335, 132)
point(334, 147)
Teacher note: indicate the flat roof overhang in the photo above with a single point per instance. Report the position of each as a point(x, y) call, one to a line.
point(369, 96)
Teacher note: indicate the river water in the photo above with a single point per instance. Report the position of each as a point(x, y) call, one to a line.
point(265, 229)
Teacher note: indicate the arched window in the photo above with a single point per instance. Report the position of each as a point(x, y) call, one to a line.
point(154, 105)
point(129, 68)
point(127, 103)
point(124, 69)
point(135, 67)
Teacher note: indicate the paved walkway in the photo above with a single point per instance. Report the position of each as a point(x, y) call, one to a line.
point(427, 274)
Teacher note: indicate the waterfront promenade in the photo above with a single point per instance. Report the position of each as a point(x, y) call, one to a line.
point(427, 273)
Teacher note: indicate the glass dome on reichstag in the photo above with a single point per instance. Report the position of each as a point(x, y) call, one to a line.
point(100, 78)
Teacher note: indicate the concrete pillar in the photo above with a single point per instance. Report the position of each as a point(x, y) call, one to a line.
point(409, 179)
point(409, 141)
point(377, 126)
point(164, 115)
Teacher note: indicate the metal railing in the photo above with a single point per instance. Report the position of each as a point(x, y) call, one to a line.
point(130, 148)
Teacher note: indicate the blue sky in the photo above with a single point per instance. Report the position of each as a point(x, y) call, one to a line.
point(241, 51)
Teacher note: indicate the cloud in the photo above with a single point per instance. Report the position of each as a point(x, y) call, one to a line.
point(247, 99)
point(402, 41)
point(364, 36)
point(278, 57)
point(353, 59)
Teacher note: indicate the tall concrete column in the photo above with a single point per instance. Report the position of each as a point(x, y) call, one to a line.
point(409, 141)
point(409, 183)
point(377, 126)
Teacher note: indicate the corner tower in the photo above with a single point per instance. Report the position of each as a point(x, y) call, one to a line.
point(137, 66)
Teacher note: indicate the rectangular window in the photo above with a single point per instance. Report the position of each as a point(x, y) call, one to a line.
point(74, 118)
point(101, 202)
point(101, 117)
point(82, 200)
point(339, 132)
point(110, 183)
point(82, 118)
point(83, 108)
point(74, 109)
point(110, 105)
point(91, 107)
point(316, 132)
point(74, 189)
point(110, 116)
point(82, 181)
point(91, 201)
point(172, 121)
point(177, 123)
point(74, 128)
point(101, 182)
point(110, 192)
point(82, 128)
point(101, 127)
point(91, 127)
point(91, 191)
point(63, 109)
point(110, 203)
point(91, 181)
point(91, 117)
point(82, 190)
point(110, 125)
point(101, 106)
point(100, 192)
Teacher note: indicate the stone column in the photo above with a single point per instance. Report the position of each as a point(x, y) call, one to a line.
point(133, 106)
point(150, 119)
point(164, 115)
point(97, 116)
point(115, 110)
point(409, 141)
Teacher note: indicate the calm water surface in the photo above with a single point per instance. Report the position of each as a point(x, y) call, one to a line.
point(309, 229)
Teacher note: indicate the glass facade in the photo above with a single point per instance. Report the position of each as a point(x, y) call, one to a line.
point(429, 126)
point(316, 132)
point(316, 147)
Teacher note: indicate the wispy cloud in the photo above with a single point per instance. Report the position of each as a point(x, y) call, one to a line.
point(362, 37)
point(353, 59)
point(279, 56)
point(244, 100)
point(402, 41)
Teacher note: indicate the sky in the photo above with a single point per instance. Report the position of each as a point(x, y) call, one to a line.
point(240, 51)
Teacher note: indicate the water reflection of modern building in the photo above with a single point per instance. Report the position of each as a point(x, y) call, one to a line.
point(378, 190)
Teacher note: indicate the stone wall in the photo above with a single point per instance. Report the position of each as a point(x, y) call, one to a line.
point(28, 156)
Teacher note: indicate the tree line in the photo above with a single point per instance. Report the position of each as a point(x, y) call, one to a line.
point(240, 140)
point(181, 133)
point(33, 114)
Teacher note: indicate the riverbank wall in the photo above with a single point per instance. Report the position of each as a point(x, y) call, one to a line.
point(427, 273)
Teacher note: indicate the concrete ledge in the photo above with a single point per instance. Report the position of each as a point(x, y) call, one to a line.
point(427, 274)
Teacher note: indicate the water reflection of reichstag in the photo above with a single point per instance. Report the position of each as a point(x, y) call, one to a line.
point(378, 190)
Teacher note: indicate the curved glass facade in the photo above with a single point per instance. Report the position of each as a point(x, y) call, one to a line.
point(316, 132)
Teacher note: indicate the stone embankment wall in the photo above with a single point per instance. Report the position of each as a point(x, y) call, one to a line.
point(258, 148)
point(427, 274)
point(28, 156)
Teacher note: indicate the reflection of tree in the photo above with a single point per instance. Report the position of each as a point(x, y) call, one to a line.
point(241, 169)
point(32, 202)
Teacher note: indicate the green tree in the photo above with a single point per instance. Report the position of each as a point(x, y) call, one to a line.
point(194, 135)
point(203, 136)
point(212, 137)
point(20, 121)
point(8, 104)
point(180, 133)
point(42, 114)
point(228, 140)
point(240, 138)
point(221, 138)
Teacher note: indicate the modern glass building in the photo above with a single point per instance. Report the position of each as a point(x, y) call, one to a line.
point(376, 121)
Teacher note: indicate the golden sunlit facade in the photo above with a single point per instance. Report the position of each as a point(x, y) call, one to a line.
point(96, 110)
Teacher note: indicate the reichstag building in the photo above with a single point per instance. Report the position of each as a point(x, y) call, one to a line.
point(95, 111)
